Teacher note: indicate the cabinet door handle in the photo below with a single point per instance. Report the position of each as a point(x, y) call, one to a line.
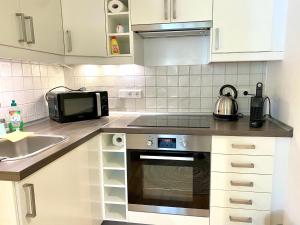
point(23, 36)
point(243, 165)
point(237, 146)
point(241, 184)
point(166, 6)
point(69, 41)
point(174, 9)
point(240, 201)
point(32, 35)
point(217, 38)
point(240, 219)
point(30, 200)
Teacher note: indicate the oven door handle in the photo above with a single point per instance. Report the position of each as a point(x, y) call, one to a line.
point(172, 158)
point(98, 99)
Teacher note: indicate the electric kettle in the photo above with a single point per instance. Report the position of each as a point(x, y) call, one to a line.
point(226, 107)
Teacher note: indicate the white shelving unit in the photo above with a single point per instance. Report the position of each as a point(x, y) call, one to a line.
point(125, 40)
point(114, 178)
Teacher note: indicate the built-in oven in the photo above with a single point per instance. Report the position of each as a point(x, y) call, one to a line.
point(169, 174)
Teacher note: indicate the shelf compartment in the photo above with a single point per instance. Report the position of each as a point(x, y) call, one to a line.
point(125, 2)
point(115, 212)
point(108, 145)
point(115, 195)
point(113, 160)
point(114, 178)
point(120, 19)
point(124, 44)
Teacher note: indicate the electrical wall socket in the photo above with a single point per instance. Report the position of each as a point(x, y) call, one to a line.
point(130, 93)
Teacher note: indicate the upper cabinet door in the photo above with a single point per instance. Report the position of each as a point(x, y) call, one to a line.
point(44, 25)
point(11, 24)
point(191, 10)
point(242, 26)
point(84, 27)
point(150, 11)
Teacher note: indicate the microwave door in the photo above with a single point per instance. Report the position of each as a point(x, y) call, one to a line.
point(98, 99)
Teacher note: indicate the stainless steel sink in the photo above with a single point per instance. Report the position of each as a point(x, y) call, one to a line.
point(27, 147)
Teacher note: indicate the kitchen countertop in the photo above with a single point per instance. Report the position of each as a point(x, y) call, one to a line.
point(271, 128)
point(80, 132)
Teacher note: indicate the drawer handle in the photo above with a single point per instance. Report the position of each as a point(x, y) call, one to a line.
point(243, 165)
point(241, 184)
point(240, 219)
point(240, 201)
point(237, 146)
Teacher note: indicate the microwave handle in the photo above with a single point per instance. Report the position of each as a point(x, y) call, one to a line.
point(98, 99)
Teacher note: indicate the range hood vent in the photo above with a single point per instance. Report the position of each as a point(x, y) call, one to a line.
point(173, 29)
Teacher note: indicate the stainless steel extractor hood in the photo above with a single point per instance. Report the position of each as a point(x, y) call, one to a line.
point(173, 29)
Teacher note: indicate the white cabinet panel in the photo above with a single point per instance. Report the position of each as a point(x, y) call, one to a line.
point(243, 145)
point(150, 12)
point(85, 23)
point(47, 25)
point(240, 200)
point(67, 191)
point(242, 164)
point(164, 219)
point(242, 26)
point(220, 216)
point(191, 10)
point(241, 182)
point(10, 24)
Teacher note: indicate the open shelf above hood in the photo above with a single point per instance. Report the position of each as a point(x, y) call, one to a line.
point(173, 29)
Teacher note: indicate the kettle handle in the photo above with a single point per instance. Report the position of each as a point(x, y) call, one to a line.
point(237, 106)
point(231, 87)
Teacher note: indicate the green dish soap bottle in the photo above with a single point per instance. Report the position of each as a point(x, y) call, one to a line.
point(15, 120)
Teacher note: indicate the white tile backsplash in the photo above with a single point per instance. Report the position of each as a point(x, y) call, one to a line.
point(27, 83)
point(169, 89)
point(165, 89)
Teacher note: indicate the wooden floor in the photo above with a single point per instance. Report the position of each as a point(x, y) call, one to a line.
point(119, 223)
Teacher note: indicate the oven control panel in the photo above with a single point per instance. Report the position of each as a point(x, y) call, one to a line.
point(169, 142)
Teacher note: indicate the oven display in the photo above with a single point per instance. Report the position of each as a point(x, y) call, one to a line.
point(167, 143)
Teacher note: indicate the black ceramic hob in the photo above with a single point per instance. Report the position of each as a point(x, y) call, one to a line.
point(186, 121)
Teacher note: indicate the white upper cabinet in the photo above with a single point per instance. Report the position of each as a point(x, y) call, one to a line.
point(150, 12)
point(10, 23)
point(43, 25)
point(242, 26)
point(191, 10)
point(166, 11)
point(84, 27)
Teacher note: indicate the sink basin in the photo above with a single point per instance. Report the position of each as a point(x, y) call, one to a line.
point(28, 146)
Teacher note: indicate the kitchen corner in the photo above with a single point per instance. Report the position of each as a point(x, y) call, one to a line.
point(154, 112)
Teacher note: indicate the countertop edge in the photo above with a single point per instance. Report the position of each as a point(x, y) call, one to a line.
point(20, 175)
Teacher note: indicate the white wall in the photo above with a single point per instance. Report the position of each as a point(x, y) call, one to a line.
point(284, 88)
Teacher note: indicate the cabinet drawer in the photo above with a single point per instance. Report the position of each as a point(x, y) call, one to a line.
point(241, 182)
point(240, 200)
point(242, 164)
point(243, 145)
point(221, 216)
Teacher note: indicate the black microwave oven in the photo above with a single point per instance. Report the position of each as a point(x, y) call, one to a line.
point(78, 105)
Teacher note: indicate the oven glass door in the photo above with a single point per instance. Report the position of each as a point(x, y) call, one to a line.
point(169, 180)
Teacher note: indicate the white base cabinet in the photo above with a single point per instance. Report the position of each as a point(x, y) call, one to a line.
point(241, 180)
point(65, 192)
